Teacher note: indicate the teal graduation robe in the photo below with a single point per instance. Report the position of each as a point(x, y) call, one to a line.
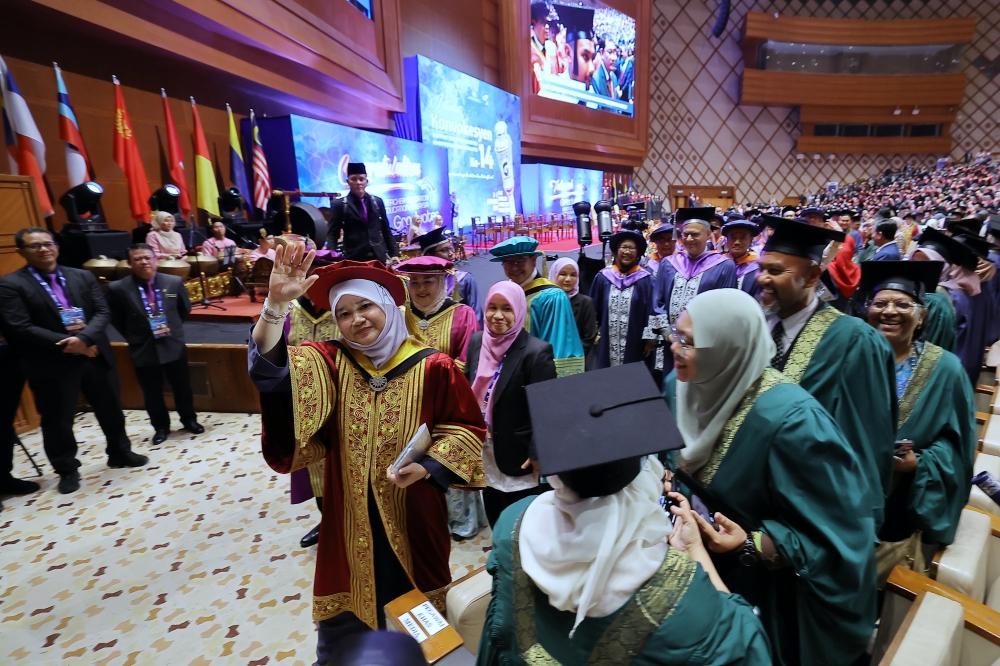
point(937, 412)
point(550, 318)
point(850, 369)
point(783, 464)
point(676, 617)
point(939, 325)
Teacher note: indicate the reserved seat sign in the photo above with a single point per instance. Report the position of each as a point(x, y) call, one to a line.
point(413, 614)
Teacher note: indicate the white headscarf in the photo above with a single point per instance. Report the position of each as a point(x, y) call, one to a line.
point(590, 555)
point(734, 347)
point(439, 298)
point(392, 336)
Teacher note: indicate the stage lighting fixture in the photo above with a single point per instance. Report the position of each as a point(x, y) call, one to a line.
point(584, 235)
point(231, 201)
point(83, 207)
point(167, 199)
point(604, 226)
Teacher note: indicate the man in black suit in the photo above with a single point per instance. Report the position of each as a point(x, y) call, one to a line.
point(148, 309)
point(55, 319)
point(363, 219)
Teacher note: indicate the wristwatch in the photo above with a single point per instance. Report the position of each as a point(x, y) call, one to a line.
point(749, 555)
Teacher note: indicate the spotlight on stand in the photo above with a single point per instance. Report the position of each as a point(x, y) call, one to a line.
point(167, 199)
point(231, 206)
point(584, 235)
point(604, 226)
point(83, 208)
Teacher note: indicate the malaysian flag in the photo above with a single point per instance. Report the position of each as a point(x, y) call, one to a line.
point(261, 177)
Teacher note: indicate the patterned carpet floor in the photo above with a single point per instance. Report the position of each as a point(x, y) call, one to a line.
point(191, 560)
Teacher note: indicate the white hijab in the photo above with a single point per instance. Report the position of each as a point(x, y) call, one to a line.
point(590, 555)
point(734, 347)
point(439, 298)
point(392, 336)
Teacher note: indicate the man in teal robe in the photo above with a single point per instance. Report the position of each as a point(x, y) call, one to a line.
point(787, 471)
point(550, 314)
point(844, 363)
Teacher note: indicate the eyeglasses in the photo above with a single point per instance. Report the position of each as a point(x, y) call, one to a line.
point(691, 234)
point(677, 338)
point(35, 247)
point(902, 307)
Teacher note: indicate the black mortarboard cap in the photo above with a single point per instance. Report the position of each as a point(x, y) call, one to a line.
point(785, 209)
point(953, 251)
point(994, 228)
point(430, 239)
point(355, 168)
point(916, 278)
point(968, 225)
point(976, 244)
point(584, 427)
point(704, 213)
point(617, 238)
point(799, 238)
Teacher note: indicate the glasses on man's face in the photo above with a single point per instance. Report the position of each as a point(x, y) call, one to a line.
point(677, 338)
point(902, 307)
point(691, 235)
point(36, 247)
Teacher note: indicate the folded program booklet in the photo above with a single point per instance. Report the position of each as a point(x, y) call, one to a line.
point(414, 450)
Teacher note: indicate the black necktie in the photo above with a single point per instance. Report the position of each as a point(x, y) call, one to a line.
point(778, 335)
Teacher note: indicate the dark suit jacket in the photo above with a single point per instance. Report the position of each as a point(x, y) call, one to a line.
point(528, 360)
point(363, 239)
point(129, 317)
point(30, 321)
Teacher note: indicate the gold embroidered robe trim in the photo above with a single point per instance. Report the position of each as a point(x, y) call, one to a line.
point(805, 344)
point(303, 326)
point(926, 365)
point(531, 290)
point(316, 396)
point(461, 452)
point(438, 333)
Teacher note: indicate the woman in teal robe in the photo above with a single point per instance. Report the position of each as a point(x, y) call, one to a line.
point(765, 447)
point(936, 414)
point(939, 324)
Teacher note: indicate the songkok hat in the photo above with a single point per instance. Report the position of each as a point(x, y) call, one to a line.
point(518, 246)
point(431, 239)
point(953, 251)
point(355, 168)
point(336, 273)
point(430, 265)
point(625, 234)
point(916, 278)
point(588, 441)
point(799, 238)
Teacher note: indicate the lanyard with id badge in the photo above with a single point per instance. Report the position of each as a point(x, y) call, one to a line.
point(157, 320)
point(72, 317)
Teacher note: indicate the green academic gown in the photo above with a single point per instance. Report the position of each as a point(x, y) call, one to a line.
point(785, 469)
point(676, 617)
point(937, 412)
point(850, 369)
point(550, 318)
point(939, 325)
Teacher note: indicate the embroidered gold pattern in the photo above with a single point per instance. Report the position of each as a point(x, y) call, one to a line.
point(334, 604)
point(315, 397)
point(438, 333)
point(767, 381)
point(805, 345)
point(536, 655)
point(304, 326)
point(316, 476)
point(650, 607)
point(458, 449)
point(569, 366)
point(918, 382)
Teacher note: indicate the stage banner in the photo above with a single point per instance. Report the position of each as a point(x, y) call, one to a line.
point(478, 124)
point(412, 178)
point(547, 188)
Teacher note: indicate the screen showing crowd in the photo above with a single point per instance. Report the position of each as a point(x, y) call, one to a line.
point(583, 52)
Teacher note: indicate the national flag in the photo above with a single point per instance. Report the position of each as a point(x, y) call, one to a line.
point(175, 158)
point(204, 175)
point(237, 169)
point(261, 176)
point(126, 154)
point(78, 167)
point(25, 148)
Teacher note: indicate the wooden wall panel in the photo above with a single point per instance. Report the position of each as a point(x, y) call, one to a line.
point(882, 115)
point(796, 88)
point(761, 26)
point(19, 208)
point(452, 32)
point(873, 144)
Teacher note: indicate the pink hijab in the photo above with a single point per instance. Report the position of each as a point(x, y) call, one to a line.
point(952, 276)
point(495, 346)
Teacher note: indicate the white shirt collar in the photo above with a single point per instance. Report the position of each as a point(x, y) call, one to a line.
point(794, 324)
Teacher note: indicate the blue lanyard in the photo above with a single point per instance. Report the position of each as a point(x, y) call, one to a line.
point(489, 389)
point(45, 285)
point(145, 300)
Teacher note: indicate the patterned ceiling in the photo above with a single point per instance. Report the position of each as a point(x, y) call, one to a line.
point(700, 136)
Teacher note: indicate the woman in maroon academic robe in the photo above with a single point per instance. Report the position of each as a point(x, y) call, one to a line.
point(357, 401)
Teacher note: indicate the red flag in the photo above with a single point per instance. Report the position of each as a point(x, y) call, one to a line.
point(126, 154)
point(175, 158)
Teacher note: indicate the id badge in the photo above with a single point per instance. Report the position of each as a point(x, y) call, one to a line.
point(73, 319)
point(159, 325)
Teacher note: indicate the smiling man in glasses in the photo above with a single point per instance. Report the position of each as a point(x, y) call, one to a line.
point(55, 320)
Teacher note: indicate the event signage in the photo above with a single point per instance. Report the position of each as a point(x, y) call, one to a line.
point(410, 177)
point(547, 188)
point(480, 127)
